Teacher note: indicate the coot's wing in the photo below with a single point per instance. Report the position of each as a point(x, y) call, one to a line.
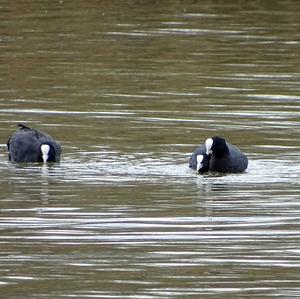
point(23, 146)
point(238, 160)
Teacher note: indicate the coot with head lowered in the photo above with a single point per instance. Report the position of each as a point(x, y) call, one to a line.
point(31, 145)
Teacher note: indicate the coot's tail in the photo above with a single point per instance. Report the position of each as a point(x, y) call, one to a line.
point(23, 127)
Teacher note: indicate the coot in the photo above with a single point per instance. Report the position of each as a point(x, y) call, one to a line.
point(31, 145)
point(221, 156)
point(199, 160)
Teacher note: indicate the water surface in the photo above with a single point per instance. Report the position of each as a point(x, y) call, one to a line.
point(130, 90)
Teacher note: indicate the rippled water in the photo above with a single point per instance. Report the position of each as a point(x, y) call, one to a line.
point(130, 89)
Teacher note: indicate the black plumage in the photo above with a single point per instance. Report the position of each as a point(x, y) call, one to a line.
point(221, 156)
point(25, 145)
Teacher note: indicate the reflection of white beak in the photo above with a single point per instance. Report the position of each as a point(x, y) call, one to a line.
point(199, 162)
point(208, 144)
point(45, 148)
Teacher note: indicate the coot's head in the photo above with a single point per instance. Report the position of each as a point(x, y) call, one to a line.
point(47, 152)
point(216, 146)
point(203, 163)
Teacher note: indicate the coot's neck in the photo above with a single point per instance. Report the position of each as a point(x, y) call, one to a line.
point(221, 152)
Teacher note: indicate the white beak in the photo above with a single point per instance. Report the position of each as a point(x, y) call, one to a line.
point(208, 144)
point(45, 148)
point(199, 162)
